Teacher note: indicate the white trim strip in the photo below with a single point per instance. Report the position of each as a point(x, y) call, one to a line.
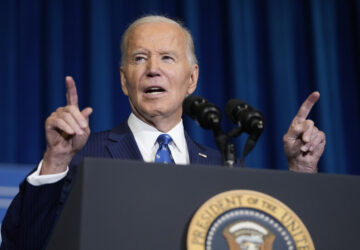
point(8, 190)
point(5, 203)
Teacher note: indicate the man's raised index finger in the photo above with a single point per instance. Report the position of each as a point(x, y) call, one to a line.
point(71, 93)
point(306, 107)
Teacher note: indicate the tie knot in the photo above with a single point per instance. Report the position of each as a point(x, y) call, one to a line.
point(164, 139)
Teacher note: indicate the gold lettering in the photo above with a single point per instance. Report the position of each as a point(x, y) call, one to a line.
point(300, 232)
point(198, 237)
point(202, 225)
point(290, 223)
point(303, 248)
point(286, 217)
point(300, 240)
point(267, 205)
point(205, 219)
point(230, 202)
point(252, 200)
point(238, 199)
point(206, 216)
point(214, 208)
point(209, 213)
point(220, 204)
point(292, 227)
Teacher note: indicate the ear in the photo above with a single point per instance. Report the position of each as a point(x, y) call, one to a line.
point(123, 81)
point(193, 79)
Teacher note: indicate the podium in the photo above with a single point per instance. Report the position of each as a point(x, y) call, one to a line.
point(117, 204)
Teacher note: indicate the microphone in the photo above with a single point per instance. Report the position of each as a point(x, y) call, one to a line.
point(206, 114)
point(251, 120)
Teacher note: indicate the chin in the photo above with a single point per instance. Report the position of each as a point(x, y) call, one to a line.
point(156, 108)
point(156, 112)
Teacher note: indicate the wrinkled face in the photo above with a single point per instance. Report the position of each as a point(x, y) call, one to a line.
point(157, 74)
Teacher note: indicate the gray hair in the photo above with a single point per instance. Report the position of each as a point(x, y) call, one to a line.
point(190, 48)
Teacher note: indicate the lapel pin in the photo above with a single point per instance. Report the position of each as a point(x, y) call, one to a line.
point(202, 155)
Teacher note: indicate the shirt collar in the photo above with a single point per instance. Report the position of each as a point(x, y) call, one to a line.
point(147, 134)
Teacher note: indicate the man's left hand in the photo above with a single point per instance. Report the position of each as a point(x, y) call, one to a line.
point(304, 143)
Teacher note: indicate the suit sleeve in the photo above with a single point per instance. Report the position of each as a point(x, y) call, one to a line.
point(34, 211)
point(31, 216)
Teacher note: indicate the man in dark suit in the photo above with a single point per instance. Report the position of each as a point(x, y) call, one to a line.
point(158, 69)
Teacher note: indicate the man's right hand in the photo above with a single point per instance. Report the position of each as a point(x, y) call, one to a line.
point(67, 130)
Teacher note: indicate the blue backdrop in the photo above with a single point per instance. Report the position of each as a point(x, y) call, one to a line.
point(271, 54)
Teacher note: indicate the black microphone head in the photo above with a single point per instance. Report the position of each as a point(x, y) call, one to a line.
point(248, 119)
point(204, 112)
point(242, 114)
point(235, 109)
point(191, 104)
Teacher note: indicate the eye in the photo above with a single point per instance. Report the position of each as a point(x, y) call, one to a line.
point(168, 58)
point(139, 59)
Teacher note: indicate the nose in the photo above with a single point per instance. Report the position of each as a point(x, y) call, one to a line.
point(153, 67)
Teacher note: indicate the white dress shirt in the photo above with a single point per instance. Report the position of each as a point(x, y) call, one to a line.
point(145, 137)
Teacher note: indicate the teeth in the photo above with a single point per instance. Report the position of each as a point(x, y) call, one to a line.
point(154, 90)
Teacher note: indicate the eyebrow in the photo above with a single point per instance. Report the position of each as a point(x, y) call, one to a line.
point(139, 52)
point(146, 52)
point(167, 53)
point(171, 53)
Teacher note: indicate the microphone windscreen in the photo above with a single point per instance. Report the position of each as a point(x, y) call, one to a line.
point(190, 103)
point(232, 108)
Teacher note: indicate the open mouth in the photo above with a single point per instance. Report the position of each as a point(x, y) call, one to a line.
point(154, 90)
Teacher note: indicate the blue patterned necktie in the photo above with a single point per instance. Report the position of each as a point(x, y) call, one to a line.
point(163, 154)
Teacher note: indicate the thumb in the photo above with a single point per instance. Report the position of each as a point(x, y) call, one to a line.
point(86, 112)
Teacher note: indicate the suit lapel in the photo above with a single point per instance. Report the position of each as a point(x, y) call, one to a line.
point(121, 143)
point(197, 154)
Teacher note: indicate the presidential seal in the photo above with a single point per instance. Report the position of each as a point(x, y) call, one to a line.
point(245, 219)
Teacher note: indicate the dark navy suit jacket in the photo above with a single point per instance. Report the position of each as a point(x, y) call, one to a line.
point(33, 212)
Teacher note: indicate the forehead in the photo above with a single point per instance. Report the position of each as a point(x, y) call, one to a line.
point(157, 36)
